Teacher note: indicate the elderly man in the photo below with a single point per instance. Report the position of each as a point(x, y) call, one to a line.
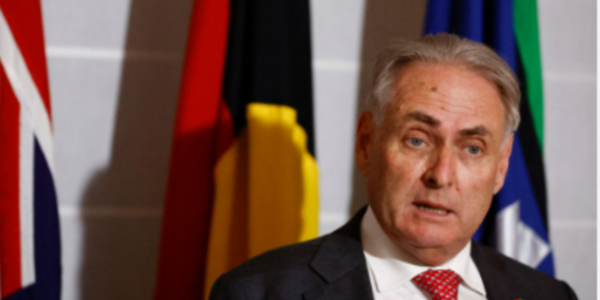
point(434, 144)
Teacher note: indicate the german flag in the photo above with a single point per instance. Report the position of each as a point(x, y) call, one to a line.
point(243, 178)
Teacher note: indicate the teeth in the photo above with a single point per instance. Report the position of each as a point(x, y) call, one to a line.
point(438, 211)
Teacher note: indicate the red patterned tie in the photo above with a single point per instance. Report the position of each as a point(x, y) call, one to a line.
point(440, 284)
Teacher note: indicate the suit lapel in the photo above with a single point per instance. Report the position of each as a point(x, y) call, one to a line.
point(341, 263)
point(494, 274)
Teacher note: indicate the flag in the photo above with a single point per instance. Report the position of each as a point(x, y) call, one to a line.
point(517, 223)
point(243, 177)
point(29, 229)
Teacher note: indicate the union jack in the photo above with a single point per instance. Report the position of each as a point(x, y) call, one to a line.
point(29, 232)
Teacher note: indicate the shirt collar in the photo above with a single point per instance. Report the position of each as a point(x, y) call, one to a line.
point(392, 267)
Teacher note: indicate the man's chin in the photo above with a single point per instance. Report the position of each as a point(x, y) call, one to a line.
point(430, 242)
point(433, 250)
point(433, 239)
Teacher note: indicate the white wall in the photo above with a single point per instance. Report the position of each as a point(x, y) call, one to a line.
point(114, 73)
point(114, 70)
point(568, 40)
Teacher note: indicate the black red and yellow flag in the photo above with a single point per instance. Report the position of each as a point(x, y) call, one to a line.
point(243, 178)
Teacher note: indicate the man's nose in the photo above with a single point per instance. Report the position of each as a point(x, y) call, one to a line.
point(441, 169)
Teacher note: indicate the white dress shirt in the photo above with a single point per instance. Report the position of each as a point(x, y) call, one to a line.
point(391, 269)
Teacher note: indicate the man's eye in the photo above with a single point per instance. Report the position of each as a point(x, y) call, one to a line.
point(473, 150)
point(416, 142)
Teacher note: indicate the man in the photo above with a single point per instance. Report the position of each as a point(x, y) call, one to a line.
point(434, 144)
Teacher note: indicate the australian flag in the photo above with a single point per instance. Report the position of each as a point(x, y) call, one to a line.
point(29, 233)
point(517, 223)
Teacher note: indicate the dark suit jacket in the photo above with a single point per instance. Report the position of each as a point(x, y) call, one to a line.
point(334, 267)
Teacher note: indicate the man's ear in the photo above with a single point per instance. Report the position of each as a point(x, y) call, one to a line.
point(505, 150)
point(364, 139)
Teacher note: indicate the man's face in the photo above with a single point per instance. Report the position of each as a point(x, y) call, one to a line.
point(437, 159)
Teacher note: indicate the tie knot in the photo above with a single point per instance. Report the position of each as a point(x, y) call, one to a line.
point(440, 284)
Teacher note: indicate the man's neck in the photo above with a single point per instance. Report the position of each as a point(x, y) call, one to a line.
point(430, 256)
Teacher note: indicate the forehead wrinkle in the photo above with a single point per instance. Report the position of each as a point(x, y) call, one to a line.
point(440, 99)
point(424, 118)
point(477, 130)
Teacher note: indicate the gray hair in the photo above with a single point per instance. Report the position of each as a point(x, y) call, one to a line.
point(444, 49)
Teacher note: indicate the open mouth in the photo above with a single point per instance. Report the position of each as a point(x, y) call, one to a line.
point(431, 209)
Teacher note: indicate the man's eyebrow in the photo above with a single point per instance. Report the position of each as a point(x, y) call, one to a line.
point(425, 118)
point(477, 130)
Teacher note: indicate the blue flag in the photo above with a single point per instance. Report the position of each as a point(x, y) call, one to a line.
point(516, 224)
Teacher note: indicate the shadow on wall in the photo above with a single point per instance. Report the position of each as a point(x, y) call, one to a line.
point(122, 203)
point(384, 22)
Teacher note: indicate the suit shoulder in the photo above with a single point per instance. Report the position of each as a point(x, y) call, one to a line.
point(513, 265)
point(526, 278)
point(275, 272)
point(292, 256)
